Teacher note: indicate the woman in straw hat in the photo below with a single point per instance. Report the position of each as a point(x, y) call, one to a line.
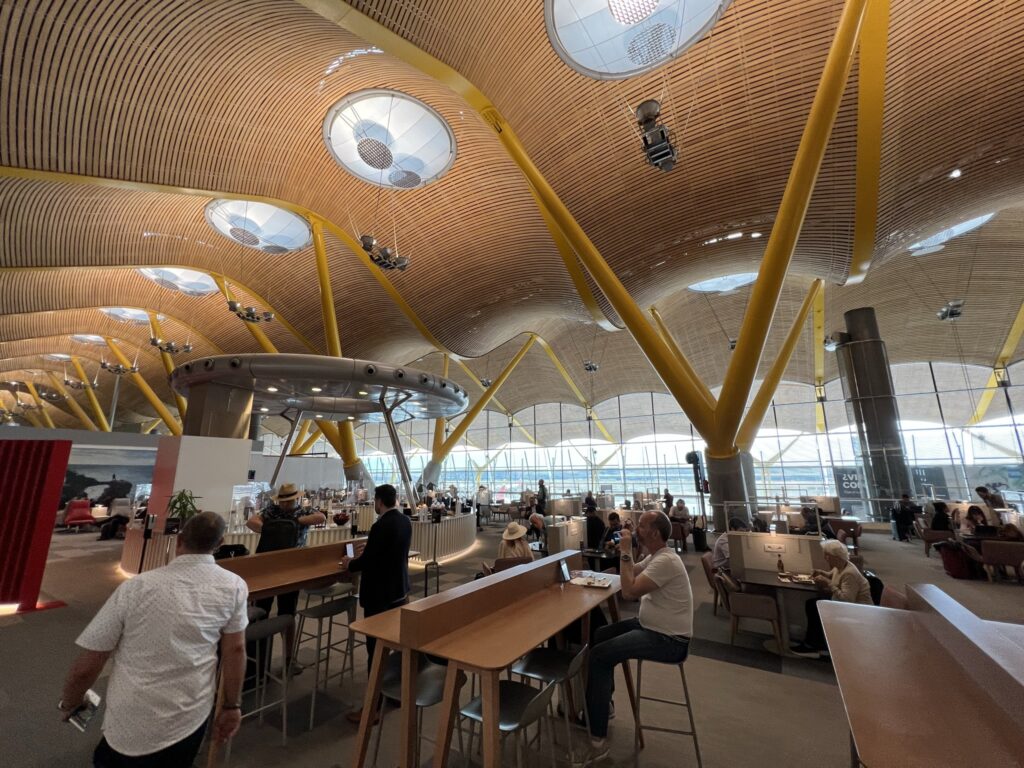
point(513, 542)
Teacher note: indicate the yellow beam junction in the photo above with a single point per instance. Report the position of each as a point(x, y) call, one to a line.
point(481, 403)
point(90, 393)
point(1005, 355)
point(148, 428)
point(39, 401)
point(145, 389)
point(575, 389)
point(752, 422)
point(439, 424)
point(819, 357)
point(873, 51)
point(157, 331)
point(789, 219)
point(308, 442)
point(508, 414)
point(72, 403)
point(300, 435)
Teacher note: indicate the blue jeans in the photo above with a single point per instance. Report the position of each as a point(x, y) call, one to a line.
point(615, 644)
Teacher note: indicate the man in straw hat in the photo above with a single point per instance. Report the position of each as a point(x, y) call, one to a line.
point(284, 525)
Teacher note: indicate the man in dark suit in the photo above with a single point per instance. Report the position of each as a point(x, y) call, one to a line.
point(384, 563)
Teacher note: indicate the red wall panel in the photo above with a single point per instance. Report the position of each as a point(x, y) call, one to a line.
point(31, 477)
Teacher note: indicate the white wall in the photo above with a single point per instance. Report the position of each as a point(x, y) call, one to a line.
point(306, 472)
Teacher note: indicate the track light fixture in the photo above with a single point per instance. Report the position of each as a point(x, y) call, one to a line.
point(952, 310)
point(78, 385)
point(590, 366)
point(170, 347)
point(486, 383)
point(384, 257)
point(117, 369)
point(51, 396)
point(656, 138)
point(249, 314)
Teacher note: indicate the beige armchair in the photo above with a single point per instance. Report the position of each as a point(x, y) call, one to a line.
point(743, 605)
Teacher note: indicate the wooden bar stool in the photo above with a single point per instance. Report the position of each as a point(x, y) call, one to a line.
point(325, 613)
point(259, 635)
point(640, 727)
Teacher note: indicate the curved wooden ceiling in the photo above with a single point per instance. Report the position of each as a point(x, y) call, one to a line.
point(172, 96)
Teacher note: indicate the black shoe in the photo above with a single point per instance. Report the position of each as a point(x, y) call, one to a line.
point(799, 649)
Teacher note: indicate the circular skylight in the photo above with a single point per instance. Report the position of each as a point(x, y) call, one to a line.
point(725, 283)
point(58, 356)
point(389, 139)
point(616, 39)
point(188, 281)
point(261, 226)
point(937, 241)
point(128, 315)
point(89, 338)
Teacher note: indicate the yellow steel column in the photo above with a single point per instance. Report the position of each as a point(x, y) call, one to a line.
point(303, 448)
point(90, 393)
point(874, 41)
point(1005, 355)
point(157, 331)
point(439, 423)
point(301, 434)
point(481, 403)
point(346, 434)
point(39, 401)
point(691, 375)
point(789, 219)
point(752, 422)
point(31, 419)
point(148, 428)
point(819, 359)
point(145, 389)
point(72, 403)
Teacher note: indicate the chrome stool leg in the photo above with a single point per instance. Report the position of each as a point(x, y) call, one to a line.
point(687, 703)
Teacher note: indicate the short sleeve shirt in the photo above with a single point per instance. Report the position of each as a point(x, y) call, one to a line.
point(669, 608)
point(163, 627)
point(274, 512)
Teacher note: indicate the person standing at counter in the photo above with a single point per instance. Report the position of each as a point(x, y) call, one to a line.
point(384, 564)
point(163, 628)
point(590, 503)
point(992, 501)
point(542, 498)
point(667, 502)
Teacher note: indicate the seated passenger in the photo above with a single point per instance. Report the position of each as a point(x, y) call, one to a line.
point(810, 526)
point(660, 633)
point(843, 582)
point(613, 532)
point(513, 542)
point(940, 517)
point(1011, 532)
point(972, 520)
point(537, 531)
point(720, 554)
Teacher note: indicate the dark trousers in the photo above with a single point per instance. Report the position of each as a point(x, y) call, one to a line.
point(615, 644)
point(371, 642)
point(180, 755)
point(815, 637)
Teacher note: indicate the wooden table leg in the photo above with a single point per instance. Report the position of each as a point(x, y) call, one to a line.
point(371, 703)
point(489, 686)
point(410, 734)
point(453, 682)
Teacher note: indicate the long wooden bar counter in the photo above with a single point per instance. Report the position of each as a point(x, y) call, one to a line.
point(934, 685)
point(480, 628)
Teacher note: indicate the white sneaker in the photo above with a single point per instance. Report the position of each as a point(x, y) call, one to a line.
point(598, 749)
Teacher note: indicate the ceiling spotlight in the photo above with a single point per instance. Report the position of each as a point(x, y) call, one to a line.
point(831, 343)
point(117, 369)
point(363, 393)
point(590, 366)
point(271, 389)
point(51, 396)
point(732, 343)
point(385, 257)
point(351, 418)
point(264, 409)
point(486, 383)
point(319, 416)
point(755, 235)
point(317, 389)
point(656, 138)
point(170, 347)
point(250, 314)
point(78, 385)
point(956, 173)
point(952, 310)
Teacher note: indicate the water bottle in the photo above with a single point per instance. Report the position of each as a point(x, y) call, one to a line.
point(780, 566)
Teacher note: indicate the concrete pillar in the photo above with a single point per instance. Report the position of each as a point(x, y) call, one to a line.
point(871, 406)
point(218, 410)
point(732, 480)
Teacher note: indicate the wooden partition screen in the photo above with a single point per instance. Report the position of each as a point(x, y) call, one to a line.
point(31, 477)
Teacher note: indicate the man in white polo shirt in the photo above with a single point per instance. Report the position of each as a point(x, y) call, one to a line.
point(660, 633)
point(162, 629)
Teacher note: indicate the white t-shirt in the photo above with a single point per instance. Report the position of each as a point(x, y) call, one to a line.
point(669, 608)
point(163, 627)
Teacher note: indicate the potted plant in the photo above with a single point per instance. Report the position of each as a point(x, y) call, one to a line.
point(181, 506)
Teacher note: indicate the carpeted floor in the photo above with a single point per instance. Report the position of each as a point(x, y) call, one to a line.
point(752, 708)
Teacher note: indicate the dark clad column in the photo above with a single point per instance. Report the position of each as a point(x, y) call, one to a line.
point(218, 410)
point(871, 405)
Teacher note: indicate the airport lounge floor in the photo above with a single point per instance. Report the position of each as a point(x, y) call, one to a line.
point(752, 708)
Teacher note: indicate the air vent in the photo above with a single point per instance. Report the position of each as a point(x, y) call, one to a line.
point(651, 44)
point(244, 236)
point(375, 153)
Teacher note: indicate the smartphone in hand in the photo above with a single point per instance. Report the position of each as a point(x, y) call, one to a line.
point(82, 716)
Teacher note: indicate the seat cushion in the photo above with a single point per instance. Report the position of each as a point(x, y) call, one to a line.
point(513, 699)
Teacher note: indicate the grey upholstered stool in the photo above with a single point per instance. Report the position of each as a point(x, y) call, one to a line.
point(640, 727)
point(324, 614)
point(429, 691)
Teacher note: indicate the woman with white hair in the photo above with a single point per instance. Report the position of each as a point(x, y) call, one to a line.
point(843, 583)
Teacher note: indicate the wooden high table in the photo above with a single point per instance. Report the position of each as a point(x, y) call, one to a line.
point(499, 619)
point(931, 686)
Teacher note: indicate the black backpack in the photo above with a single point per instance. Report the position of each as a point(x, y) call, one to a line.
point(280, 533)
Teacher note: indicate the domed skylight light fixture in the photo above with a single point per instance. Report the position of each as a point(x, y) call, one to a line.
point(129, 315)
point(188, 281)
point(937, 242)
point(725, 283)
point(89, 338)
point(389, 139)
point(58, 357)
point(617, 39)
point(261, 226)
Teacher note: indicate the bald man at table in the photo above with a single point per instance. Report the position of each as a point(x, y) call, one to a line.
point(660, 633)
